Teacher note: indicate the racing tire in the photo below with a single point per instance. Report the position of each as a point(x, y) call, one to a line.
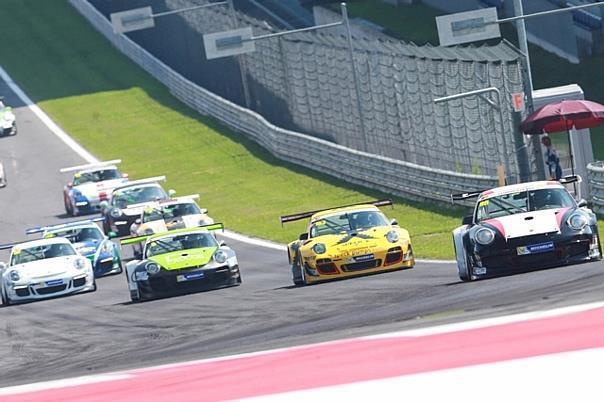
point(6, 301)
point(297, 268)
point(135, 295)
point(93, 287)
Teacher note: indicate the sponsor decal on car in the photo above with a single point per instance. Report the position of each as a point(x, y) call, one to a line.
point(535, 248)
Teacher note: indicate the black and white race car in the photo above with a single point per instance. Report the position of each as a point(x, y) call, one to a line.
point(524, 226)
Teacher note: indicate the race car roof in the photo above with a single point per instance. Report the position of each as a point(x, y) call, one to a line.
point(516, 188)
point(96, 169)
point(138, 184)
point(41, 242)
point(331, 212)
point(198, 229)
point(314, 214)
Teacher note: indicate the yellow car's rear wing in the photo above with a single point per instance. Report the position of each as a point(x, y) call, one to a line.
point(303, 215)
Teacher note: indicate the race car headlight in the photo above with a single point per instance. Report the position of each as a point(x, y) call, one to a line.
point(393, 236)
point(148, 231)
point(319, 248)
point(152, 268)
point(484, 236)
point(79, 263)
point(14, 276)
point(115, 213)
point(577, 221)
point(220, 256)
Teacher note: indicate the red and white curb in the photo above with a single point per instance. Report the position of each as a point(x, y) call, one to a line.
point(549, 354)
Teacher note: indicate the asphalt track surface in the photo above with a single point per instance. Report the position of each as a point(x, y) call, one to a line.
point(102, 331)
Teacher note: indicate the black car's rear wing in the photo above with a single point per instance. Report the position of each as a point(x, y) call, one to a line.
point(140, 239)
point(466, 195)
point(303, 215)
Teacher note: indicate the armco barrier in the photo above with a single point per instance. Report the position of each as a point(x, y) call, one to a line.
point(595, 178)
point(377, 172)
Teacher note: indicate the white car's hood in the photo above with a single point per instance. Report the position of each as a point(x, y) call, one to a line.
point(46, 268)
point(529, 223)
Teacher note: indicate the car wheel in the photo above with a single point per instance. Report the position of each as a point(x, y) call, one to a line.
point(67, 205)
point(299, 276)
point(93, 287)
point(5, 299)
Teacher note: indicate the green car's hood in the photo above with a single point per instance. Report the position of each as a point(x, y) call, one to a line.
point(184, 258)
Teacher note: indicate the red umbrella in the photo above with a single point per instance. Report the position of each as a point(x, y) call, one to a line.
point(562, 116)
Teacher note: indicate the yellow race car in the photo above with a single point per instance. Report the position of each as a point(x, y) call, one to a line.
point(351, 240)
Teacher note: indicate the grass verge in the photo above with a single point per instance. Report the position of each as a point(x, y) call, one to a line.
point(115, 109)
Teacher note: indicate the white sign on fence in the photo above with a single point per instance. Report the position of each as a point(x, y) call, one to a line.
point(132, 20)
point(228, 43)
point(469, 26)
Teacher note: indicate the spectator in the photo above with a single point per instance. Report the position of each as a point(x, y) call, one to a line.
point(552, 160)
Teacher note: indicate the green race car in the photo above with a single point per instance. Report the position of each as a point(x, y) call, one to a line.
point(181, 261)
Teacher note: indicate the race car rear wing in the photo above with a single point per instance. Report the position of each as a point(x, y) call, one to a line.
point(303, 215)
point(466, 195)
point(40, 229)
point(571, 179)
point(90, 166)
point(140, 239)
point(141, 181)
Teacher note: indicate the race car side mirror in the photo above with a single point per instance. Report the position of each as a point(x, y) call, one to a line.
point(103, 204)
point(204, 210)
point(222, 243)
point(393, 222)
point(138, 221)
point(583, 203)
point(304, 236)
point(125, 175)
point(171, 192)
point(69, 185)
point(112, 235)
point(467, 220)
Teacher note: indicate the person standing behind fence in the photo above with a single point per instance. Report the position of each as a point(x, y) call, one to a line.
point(552, 159)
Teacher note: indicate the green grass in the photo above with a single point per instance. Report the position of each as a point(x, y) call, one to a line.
point(116, 110)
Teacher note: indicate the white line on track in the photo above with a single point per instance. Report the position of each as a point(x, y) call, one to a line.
point(88, 157)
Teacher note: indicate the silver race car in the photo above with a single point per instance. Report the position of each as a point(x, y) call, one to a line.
point(8, 120)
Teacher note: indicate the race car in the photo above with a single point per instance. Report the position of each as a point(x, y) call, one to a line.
point(175, 213)
point(524, 226)
point(91, 185)
point(42, 269)
point(89, 241)
point(347, 241)
point(3, 181)
point(8, 121)
point(128, 201)
point(181, 261)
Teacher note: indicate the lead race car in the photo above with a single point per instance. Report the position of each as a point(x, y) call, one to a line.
point(8, 120)
point(128, 201)
point(88, 241)
point(44, 268)
point(181, 261)
point(175, 213)
point(348, 241)
point(91, 184)
point(524, 226)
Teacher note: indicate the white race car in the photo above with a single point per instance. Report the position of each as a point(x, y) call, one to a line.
point(3, 182)
point(91, 185)
point(8, 121)
point(162, 216)
point(44, 268)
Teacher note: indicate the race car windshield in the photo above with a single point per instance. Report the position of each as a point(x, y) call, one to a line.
point(24, 255)
point(79, 235)
point(96, 176)
point(351, 221)
point(171, 212)
point(137, 195)
point(523, 201)
point(180, 242)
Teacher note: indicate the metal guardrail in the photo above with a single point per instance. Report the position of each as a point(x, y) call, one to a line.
point(392, 176)
point(595, 181)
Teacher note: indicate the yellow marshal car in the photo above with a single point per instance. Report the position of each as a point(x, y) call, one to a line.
point(348, 241)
